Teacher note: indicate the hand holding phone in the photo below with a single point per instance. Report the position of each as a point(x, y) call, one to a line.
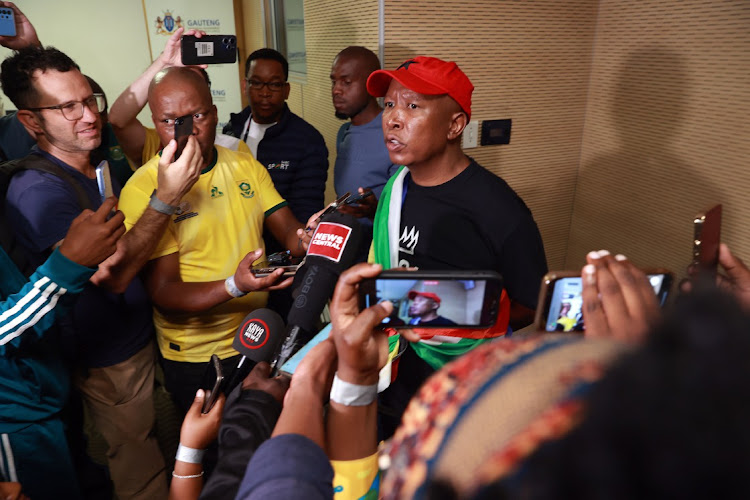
point(283, 260)
point(7, 22)
point(213, 379)
point(564, 294)
point(435, 299)
point(360, 205)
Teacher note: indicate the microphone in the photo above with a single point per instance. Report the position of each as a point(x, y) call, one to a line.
point(257, 339)
point(333, 248)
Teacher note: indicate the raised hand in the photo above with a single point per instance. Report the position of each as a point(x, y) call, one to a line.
point(91, 237)
point(176, 178)
point(618, 300)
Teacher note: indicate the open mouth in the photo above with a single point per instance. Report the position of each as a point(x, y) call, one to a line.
point(394, 144)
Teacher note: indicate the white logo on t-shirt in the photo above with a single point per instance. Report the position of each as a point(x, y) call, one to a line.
point(408, 240)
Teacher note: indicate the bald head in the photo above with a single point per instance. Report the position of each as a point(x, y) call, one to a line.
point(179, 92)
point(351, 68)
point(366, 59)
point(167, 78)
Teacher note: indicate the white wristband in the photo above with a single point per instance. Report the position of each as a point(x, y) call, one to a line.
point(347, 394)
point(232, 289)
point(189, 455)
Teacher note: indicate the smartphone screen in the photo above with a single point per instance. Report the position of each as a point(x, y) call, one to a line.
point(422, 299)
point(211, 383)
point(563, 303)
point(183, 128)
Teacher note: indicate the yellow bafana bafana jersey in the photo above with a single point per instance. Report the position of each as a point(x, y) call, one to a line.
point(219, 222)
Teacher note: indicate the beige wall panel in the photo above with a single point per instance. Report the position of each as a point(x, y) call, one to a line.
point(252, 30)
point(252, 14)
point(666, 131)
point(529, 61)
point(330, 26)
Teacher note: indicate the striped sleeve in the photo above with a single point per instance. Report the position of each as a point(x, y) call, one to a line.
point(35, 307)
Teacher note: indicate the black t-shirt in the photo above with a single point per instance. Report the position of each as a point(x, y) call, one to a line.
point(475, 221)
point(439, 321)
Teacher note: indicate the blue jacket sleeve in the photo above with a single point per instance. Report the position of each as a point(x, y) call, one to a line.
point(289, 466)
point(31, 310)
point(307, 192)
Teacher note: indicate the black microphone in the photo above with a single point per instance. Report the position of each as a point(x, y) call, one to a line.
point(333, 249)
point(257, 339)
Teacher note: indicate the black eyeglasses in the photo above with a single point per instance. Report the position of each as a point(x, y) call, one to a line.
point(272, 86)
point(73, 110)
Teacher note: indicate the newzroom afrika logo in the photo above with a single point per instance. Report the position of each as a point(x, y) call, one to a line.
point(170, 22)
point(329, 240)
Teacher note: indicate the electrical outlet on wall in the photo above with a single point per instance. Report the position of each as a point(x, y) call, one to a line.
point(471, 135)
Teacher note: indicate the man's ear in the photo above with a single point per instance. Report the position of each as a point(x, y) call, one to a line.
point(459, 120)
point(30, 121)
point(286, 90)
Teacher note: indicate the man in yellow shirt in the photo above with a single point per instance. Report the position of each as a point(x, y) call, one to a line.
point(199, 277)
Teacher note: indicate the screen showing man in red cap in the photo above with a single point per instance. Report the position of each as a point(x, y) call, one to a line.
point(442, 210)
point(423, 309)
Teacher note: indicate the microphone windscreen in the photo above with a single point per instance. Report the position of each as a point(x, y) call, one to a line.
point(336, 241)
point(259, 335)
point(333, 249)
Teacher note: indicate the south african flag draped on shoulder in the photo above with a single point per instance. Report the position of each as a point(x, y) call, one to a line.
point(438, 346)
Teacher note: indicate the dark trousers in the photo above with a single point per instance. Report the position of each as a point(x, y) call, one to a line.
point(183, 379)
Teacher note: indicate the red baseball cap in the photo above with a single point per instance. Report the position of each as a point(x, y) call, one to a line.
point(426, 75)
point(429, 295)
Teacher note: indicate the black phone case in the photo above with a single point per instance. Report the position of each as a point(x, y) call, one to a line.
point(209, 49)
point(183, 129)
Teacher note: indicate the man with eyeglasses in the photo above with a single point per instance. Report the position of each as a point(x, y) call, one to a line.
point(292, 150)
point(109, 334)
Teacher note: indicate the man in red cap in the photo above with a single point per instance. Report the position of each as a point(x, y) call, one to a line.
point(442, 210)
point(423, 310)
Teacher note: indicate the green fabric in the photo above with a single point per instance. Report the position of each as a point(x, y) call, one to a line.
point(435, 355)
point(380, 225)
point(438, 355)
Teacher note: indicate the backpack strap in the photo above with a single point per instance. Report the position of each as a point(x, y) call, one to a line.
point(38, 162)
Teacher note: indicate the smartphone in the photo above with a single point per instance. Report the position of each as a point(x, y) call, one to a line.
point(7, 22)
point(560, 301)
point(706, 240)
point(290, 265)
point(183, 129)
point(212, 383)
point(104, 180)
point(435, 299)
point(292, 363)
point(355, 199)
point(209, 49)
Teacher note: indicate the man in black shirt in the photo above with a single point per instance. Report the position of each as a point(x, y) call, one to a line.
point(444, 211)
point(423, 310)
